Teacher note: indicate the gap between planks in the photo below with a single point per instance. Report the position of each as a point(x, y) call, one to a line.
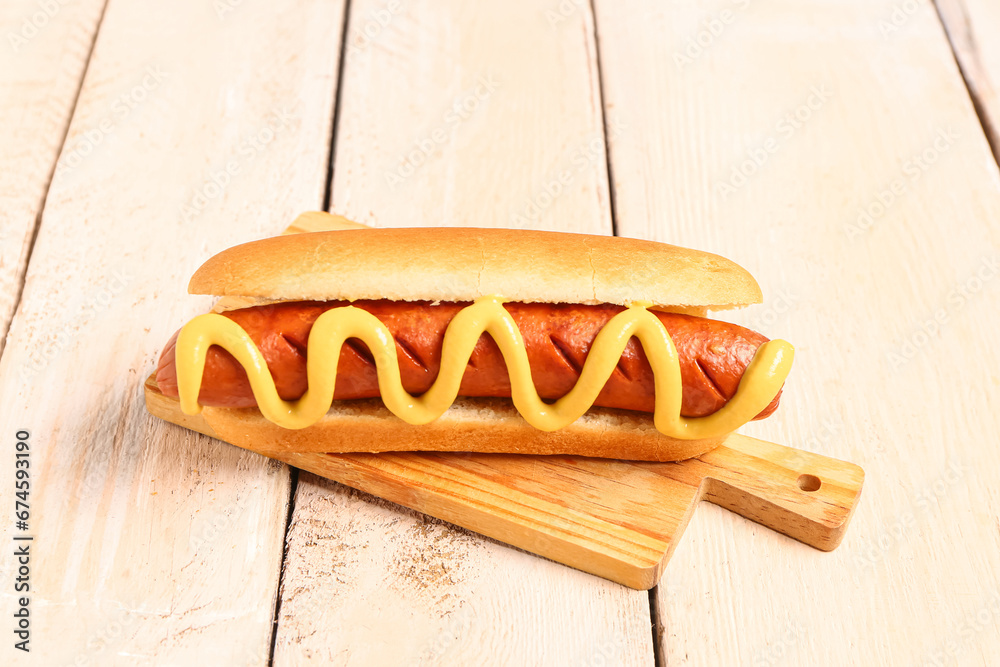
point(954, 18)
point(654, 616)
point(293, 485)
point(22, 271)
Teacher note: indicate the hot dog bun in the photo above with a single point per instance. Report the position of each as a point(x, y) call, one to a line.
point(481, 425)
point(464, 264)
point(455, 264)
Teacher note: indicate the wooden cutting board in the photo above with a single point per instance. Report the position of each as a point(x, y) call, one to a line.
point(617, 519)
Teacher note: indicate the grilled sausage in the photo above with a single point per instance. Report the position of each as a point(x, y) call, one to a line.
point(713, 355)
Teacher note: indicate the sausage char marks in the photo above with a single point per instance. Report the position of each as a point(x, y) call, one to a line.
point(557, 337)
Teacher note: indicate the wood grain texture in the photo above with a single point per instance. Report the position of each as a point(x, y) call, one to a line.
point(415, 591)
point(865, 200)
point(154, 545)
point(404, 590)
point(620, 520)
point(972, 27)
point(482, 115)
point(42, 61)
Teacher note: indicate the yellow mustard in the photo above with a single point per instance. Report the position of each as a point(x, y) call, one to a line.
point(759, 385)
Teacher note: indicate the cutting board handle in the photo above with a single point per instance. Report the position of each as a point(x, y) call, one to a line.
point(806, 496)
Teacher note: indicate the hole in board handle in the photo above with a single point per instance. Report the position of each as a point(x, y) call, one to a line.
point(809, 483)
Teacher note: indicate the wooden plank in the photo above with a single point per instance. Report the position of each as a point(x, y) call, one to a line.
point(477, 116)
point(871, 223)
point(422, 592)
point(42, 62)
point(153, 544)
point(455, 113)
point(973, 27)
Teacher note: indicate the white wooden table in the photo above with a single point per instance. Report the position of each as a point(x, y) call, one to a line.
point(830, 147)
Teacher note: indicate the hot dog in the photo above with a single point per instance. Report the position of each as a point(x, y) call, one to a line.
point(471, 340)
point(713, 355)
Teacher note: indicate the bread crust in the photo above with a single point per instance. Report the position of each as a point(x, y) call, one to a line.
point(486, 425)
point(470, 425)
point(463, 264)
